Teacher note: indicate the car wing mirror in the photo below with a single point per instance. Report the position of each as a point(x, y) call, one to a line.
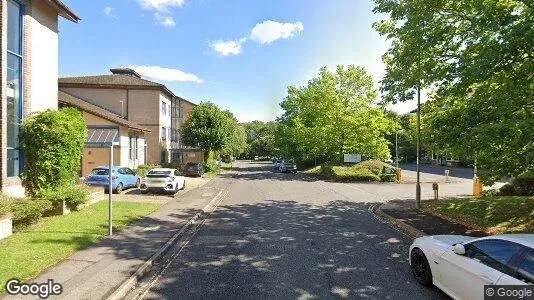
point(458, 249)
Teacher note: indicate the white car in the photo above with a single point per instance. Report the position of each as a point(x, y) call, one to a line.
point(460, 265)
point(162, 180)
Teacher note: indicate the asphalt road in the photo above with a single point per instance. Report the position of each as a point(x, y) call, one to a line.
point(285, 236)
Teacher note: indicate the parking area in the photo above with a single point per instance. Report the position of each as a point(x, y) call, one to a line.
point(134, 195)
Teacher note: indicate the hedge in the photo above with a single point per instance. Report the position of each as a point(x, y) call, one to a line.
point(52, 143)
point(26, 212)
point(72, 196)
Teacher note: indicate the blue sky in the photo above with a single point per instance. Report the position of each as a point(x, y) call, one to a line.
point(241, 55)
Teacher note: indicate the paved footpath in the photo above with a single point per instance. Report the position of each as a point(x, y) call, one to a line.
point(95, 272)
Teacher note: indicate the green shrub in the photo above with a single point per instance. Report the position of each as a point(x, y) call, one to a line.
point(26, 212)
point(507, 190)
point(211, 166)
point(72, 196)
point(351, 174)
point(5, 205)
point(523, 186)
point(375, 166)
point(387, 177)
point(142, 170)
point(52, 143)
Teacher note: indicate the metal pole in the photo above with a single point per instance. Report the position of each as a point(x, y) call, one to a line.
point(110, 190)
point(396, 149)
point(418, 185)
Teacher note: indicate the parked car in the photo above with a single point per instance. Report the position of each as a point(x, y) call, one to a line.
point(162, 180)
point(461, 265)
point(193, 169)
point(288, 167)
point(122, 178)
point(277, 165)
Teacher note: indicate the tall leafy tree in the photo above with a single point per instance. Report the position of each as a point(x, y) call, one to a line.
point(208, 128)
point(333, 114)
point(260, 139)
point(477, 57)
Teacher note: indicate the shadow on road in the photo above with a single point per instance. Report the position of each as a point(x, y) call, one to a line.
point(287, 250)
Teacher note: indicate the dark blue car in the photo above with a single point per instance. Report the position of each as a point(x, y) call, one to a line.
point(121, 178)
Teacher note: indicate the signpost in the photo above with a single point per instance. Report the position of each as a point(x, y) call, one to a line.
point(352, 158)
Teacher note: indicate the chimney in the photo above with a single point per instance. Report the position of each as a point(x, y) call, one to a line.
point(125, 71)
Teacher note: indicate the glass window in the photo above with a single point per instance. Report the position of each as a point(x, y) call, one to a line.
point(136, 149)
point(501, 251)
point(14, 27)
point(14, 87)
point(163, 133)
point(130, 147)
point(525, 269)
point(163, 108)
point(181, 110)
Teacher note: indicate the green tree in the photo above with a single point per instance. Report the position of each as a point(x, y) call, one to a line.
point(52, 142)
point(333, 114)
point(208, 128)
point(237, 142)
point(477, 57)
point(260, 139)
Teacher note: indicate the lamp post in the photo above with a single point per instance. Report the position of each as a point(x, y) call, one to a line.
point(397, 148)
point(418, 184)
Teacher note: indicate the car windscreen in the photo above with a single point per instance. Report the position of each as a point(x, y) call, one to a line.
point(158, 174)
point(100, 172)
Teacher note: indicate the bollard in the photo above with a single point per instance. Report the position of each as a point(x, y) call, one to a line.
point(447, 172)
point(478, 186)
point(398, 175)
point(435, 188)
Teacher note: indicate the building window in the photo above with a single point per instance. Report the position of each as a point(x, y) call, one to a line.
point(181, 110)
point(130, 147)
point(136, 143)
point(163, 133)
point(163, 108)
point(14, 87)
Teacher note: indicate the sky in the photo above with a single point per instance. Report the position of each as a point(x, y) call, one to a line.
point(240, 54)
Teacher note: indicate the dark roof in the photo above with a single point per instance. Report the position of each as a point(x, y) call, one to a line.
point(83, 105)
point(63, 10)
point(116, 81)
point(125, 71)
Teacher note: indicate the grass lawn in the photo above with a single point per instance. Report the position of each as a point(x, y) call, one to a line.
point(27, 252)
point(502, 214)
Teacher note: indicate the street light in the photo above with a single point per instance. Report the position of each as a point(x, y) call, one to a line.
point(418, 184)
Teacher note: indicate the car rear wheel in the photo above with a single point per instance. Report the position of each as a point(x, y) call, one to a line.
point(420, 267)
point(118, 189)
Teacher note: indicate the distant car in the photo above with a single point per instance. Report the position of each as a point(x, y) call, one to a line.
point(193, 169)
point(162, 180)
point(122, 178)
point(256, 157)
point(277, 165)
point(460, 265)
point(288, 167)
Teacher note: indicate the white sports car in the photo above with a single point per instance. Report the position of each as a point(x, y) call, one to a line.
point(162, 180)
point(461, 265)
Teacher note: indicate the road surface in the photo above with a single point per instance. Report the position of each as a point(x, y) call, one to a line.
point(286, 236)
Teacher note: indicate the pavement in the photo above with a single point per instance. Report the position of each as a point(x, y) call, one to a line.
point(95, 272)
point(290, 236)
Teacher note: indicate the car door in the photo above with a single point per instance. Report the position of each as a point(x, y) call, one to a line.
point(179, 178)
point(524, 270)
point(132, 177)
point(484, 263)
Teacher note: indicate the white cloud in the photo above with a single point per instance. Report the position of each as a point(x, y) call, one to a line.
point(165, 21)
point(160, 5)
point(107, 10)
point(270, 31)
point(227, 47)
point(263, 33)
point(166, 74)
